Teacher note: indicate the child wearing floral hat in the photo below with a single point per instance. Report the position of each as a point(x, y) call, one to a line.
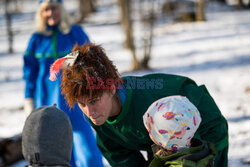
point(172, 122)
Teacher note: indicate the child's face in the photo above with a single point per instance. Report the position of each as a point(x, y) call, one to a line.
point(98, 110)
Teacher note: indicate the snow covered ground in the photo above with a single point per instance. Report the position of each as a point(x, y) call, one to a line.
point(215, 53)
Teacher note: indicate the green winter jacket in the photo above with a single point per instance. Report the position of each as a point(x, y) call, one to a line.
point(122, 138)
point(200, 154)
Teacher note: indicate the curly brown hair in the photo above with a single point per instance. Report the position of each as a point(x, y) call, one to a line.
point(90, 75)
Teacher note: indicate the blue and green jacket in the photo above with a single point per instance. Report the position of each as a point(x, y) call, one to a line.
point(42, 51)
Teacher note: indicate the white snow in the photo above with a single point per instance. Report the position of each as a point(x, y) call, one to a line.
point(215, 53)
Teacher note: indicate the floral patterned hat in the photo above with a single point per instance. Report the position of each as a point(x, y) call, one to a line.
point(172, 122)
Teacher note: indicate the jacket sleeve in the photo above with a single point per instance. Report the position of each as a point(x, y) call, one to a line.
point(119, 156)
point(214, 127)
point(30, 68)
point(79, 35)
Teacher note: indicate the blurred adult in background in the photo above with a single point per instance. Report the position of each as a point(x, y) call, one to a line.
point(54, 38)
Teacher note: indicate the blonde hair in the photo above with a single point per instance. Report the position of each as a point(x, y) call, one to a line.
point(41, 26)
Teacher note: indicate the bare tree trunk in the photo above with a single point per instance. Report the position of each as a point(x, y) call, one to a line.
point(125, 6)
point(18, 6)
point(240, 4)
point(148, 19)
point(200, 13)
point(86, 7)
point(9, 27)
point(147, 47)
